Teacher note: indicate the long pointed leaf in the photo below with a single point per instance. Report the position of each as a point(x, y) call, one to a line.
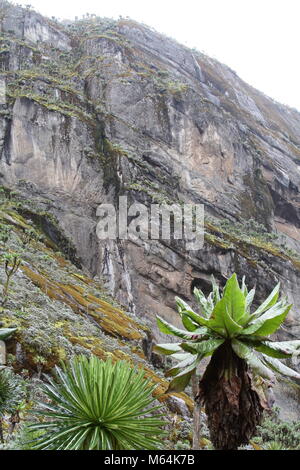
point(268, 322)
point(280, 350)
point(204, 348)
point(167, 349)
point(169, 329)
point(234, 299)
point(190, 359)
point(181, 304)
point(246, 353)
point(179, 383)
point(281, 368)
point(268, 303)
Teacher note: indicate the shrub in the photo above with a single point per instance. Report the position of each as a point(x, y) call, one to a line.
point(275, 432)
point(13, 393)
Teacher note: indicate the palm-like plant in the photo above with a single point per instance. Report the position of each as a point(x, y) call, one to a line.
point(237, 341)
point(97, 405)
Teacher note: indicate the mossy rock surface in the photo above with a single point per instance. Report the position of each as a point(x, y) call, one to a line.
point(59, 311)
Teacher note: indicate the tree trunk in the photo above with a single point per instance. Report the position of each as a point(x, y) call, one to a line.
point(196, 415)
point(232, 405)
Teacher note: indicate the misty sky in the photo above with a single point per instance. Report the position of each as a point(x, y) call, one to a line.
point(259, 39)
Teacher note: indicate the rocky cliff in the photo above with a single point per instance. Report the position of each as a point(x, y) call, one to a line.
point(96, 109)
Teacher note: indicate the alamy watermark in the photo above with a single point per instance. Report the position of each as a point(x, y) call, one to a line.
point(159, 221)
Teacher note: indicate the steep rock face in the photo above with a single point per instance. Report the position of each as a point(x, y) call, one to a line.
point(97, 109)
point(58, 311)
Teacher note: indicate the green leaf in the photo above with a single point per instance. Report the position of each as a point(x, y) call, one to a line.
point(268, 303)
point(280, 350)
point(210, 303)
point(244, 287)
point(246, 353)
point(231, 326)
point(179, 383)
point(5, 333)
point(221, 321)
point(188, 322)
point(181, 356)
point(204, 348)
point(185, 308)
point(272, 324)
point(249, 299)
point(167, 349)
point(281, 368)
point(216, 290)
point(234, 299)
point(268, 322)
point(181, 366)
point(169, 329)
point(292, 346)
point(205, 305)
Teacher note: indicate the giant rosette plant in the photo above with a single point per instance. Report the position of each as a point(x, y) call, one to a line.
point(237, 340)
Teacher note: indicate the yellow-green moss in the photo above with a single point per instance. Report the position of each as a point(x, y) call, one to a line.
point(112, 320)
point(218, 236)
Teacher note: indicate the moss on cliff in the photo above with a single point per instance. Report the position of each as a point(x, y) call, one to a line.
point(251, 246)
point(59, 311)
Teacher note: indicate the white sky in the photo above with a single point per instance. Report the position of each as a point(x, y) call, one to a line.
point(259, 39)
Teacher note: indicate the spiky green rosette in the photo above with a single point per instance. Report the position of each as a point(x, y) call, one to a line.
point(239, 345)
point(97, 405)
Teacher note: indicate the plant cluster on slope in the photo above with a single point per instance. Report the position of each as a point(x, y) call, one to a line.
point(251, 232)
point(13, 396)
point(276, 434)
